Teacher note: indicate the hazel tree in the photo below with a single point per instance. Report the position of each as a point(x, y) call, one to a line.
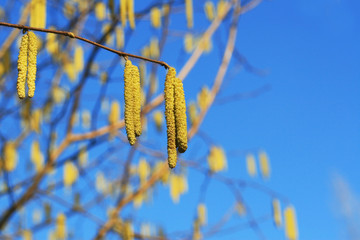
point(98, 129)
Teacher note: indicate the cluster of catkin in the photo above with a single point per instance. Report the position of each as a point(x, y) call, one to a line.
point(175, 114)
point(27, 64)
point(132, 95)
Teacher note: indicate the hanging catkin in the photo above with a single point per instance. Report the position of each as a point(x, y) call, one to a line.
point(131, 15)
point(32, 63)
point(129, 102)
point(123, 12)
point(170, 117)
point(137, 100)
point(180, 116)
point(189, 13)
point(22, 66)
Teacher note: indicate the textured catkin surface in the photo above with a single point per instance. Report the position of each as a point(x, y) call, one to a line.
point(180, 116)
point(170, 117)
point(32, 63)
point(22, 66)
point(137, 100)
point(129, 102)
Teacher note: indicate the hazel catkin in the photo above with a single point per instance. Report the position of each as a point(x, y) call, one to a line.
point(137, 100)
point(32, 63)
point(129, 103)
point(180, 116)
point(170, 117)
point(22, 66)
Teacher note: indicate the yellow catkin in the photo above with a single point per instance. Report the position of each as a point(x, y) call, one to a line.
point(178, 186)
point(221, 7)
point(170, 117)
point(154, 48)
point(193, 112)
point(203, 98)
point(240, 208)
point(128, 232)
point(120, 38)
point(86, 118)
point(202, 216)
point(276, 211)
point(52, 44)
point(129, 103)
point(79, 58)
point(37, 157)
point(196, 228)
point(69, 9)
point(83, 157)
point(22, 66)
point(189, 13)
point(35, 120)
point(137, 100)
point(38, 13)
point(264, 164)
point(100, 11)
point(114, 114)
point(180, 116)
point(70, 173)
point(131, 15)
point(155, 16)
point(123, 10)
point(209, 10)
point(32, 63)
point(60, 226)
point(101, 183)
point(205, 44)
point(10, 156)
point(251, 165)
point(27, 235)
point(291, 230)
point(217, 159)
point(158, 118)
point(188, 42)
point(143, 170)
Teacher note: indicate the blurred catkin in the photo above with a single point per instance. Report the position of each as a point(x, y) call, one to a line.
point(123, 12)
point(32, 63)
point(38, 13)
point(137, 100)
point(114, 114)
point(264, 164)
point(291, 231)
point(129, 103)
point(22, 66)
point(251, 165)
point(180, 116)
point(170, 116)
point(189, 13)
point(10, 156)
point(131, 14)
point(155, 16)
point(276, 210)
point(209, 10)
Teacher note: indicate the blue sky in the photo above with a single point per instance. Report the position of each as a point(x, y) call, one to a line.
point(309, 121)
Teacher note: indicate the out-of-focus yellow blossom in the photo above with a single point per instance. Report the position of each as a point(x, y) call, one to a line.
point(251, 165)
point(70, 173)
point(217, 159)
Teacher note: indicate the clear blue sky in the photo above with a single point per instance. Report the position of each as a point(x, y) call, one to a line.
point(309, 122)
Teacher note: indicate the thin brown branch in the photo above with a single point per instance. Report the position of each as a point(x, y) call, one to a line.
point(72, 35)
